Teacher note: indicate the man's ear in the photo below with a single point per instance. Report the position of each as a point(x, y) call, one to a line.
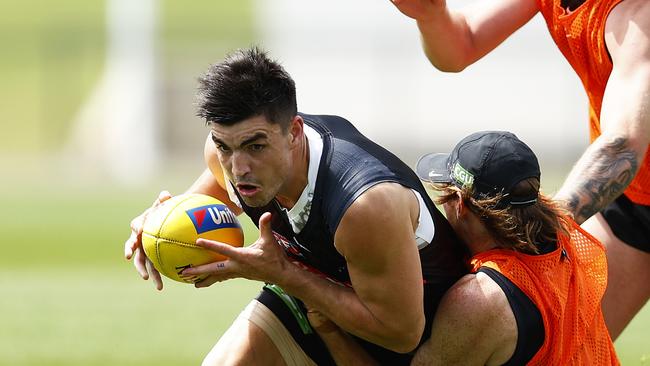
point(296, 131)
point(461, 209)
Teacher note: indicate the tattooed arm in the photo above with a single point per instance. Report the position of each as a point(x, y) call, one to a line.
point(602, 174)
point(608, 166)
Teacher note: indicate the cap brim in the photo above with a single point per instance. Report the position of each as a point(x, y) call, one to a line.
point(433, 168)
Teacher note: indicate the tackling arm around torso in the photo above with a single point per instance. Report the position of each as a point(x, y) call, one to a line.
point(610, 163)
point(474, 325)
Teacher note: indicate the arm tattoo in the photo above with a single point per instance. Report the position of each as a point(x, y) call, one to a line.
point(599, 177)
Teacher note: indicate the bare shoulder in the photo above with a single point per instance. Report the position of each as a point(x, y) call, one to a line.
point(382, 204)
point(387, 195)
point(627, 31)
point(474, 324)
point(383, 212)
point(477, 299)
point(634, 11)
point(625, 105)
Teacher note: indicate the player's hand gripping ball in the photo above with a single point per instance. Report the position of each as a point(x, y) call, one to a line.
point(170, 232)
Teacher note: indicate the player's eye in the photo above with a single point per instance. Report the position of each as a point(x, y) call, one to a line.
point(256, 147)
point(223, 148)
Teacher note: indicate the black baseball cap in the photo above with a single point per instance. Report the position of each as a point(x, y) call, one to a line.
point(490, 162)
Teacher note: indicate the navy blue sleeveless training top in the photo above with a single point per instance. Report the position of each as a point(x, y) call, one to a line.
point(350, 164)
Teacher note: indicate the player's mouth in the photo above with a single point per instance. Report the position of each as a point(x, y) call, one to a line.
point(247, 190)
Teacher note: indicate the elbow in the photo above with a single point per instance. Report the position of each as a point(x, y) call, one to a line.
point(448, 65)
point(452, 60)
point(407, 339)
point(407, 344)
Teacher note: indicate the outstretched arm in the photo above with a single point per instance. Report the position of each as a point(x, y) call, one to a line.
point(608, 166)
point(455, 39)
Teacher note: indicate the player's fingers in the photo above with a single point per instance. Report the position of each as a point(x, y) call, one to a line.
point(207, 282)
point(155, 275)
point(139, 259)
point(162, 197)
point(265, 226)
point(215, 268)
point(130, 245)
point(138, 221)
point(211, 280)
point(320, 322)
point(217, 247)
point(315, 317)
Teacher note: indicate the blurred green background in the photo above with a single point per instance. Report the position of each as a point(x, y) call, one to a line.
point(67, 296)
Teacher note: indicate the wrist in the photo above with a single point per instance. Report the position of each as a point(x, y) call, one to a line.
point(289, 276)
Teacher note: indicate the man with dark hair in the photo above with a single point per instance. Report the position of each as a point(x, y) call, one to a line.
point(345, 226)
point(607, 44)
point(533, 297)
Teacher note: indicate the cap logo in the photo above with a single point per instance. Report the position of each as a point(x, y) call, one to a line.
point(462, 176)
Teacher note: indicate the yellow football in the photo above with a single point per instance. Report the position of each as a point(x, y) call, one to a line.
point(170, 232)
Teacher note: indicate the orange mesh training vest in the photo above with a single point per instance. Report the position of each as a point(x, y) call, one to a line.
point(567, 290)
point(580, 36)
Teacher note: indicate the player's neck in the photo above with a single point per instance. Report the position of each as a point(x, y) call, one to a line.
point(475, 236)
point(296, 184)
point(482, 245)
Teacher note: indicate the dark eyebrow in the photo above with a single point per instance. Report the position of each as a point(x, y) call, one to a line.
point(215, 139)
point(257, 136)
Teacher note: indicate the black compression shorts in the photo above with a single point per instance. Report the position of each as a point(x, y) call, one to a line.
point(630, 222)
point(293, 315)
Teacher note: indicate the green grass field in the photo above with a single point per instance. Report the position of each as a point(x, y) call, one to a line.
point(69, 297)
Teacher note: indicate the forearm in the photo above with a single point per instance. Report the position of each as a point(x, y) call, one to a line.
point(601, 175)
point(344, 307)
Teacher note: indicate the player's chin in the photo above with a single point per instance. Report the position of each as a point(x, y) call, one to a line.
point(257, 200)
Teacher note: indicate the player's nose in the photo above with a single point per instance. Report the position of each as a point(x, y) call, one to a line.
point(241, 165)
